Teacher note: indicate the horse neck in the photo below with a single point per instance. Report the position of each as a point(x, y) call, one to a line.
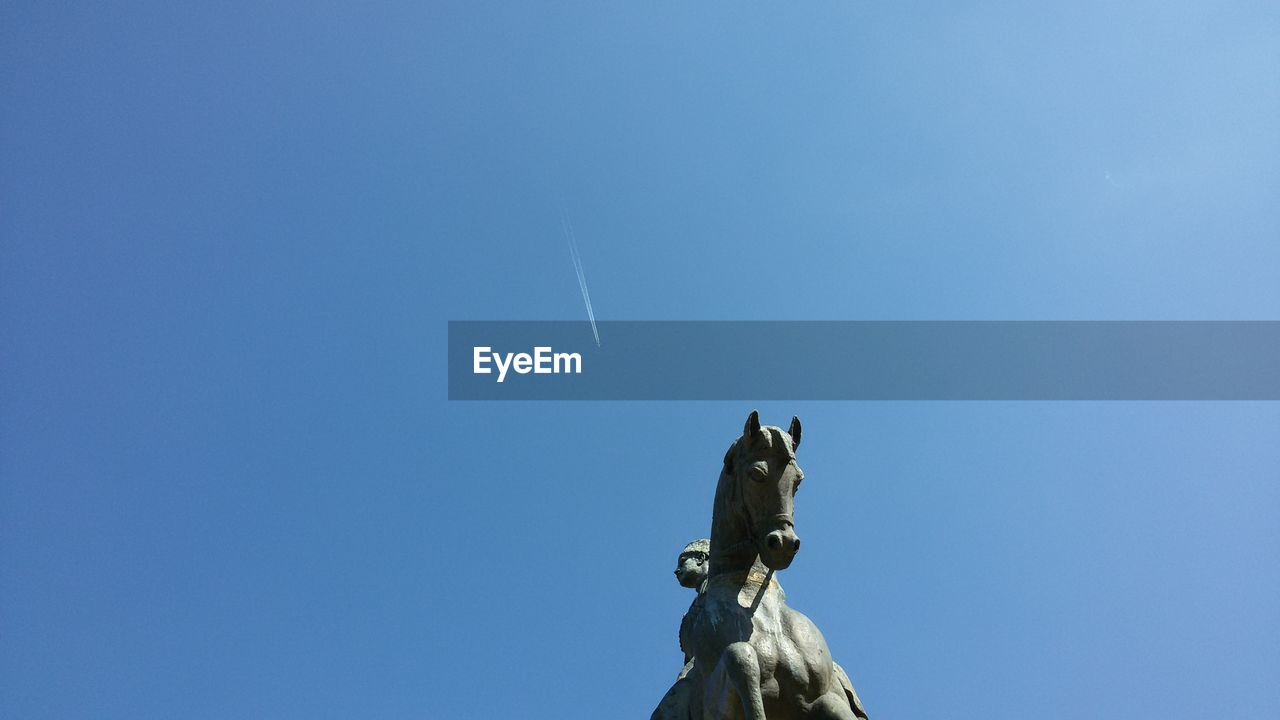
point(732, 549)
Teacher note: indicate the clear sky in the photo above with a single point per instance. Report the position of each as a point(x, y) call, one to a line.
point(231, 235)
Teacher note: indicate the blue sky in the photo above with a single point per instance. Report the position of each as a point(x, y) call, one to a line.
point(232, 235)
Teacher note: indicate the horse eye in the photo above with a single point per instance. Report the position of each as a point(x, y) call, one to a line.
point(758, 473)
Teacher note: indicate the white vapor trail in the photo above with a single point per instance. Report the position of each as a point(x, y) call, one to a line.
point(574, 255)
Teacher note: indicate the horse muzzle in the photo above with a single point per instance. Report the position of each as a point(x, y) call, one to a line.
point(780, 548)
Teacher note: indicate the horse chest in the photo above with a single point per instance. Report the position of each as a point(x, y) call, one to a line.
point(738, 615)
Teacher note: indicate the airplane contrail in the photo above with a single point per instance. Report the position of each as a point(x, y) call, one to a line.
point(576, 257)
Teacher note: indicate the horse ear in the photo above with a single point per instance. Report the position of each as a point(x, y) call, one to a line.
point(794, 432)
point(752, 427)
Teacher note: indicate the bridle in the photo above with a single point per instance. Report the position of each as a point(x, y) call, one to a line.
point(784, 520)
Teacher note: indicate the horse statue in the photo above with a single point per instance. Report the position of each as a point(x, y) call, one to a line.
point(754, 658)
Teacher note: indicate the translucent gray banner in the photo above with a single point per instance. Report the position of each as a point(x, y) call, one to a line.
point(865, 360)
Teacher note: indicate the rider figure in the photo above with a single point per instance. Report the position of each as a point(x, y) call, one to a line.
point(691, 572)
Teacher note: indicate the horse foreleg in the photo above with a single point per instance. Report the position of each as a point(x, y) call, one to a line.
point(739, 668)
point(832, 706)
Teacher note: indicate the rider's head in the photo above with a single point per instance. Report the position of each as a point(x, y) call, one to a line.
point(691, 567)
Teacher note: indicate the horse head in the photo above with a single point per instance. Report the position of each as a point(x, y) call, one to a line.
point(762, 477)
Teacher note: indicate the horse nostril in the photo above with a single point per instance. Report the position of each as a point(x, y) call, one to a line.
point(775, 542)
point(796, 547)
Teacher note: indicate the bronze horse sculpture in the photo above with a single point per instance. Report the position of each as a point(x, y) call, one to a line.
point(756, 658)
